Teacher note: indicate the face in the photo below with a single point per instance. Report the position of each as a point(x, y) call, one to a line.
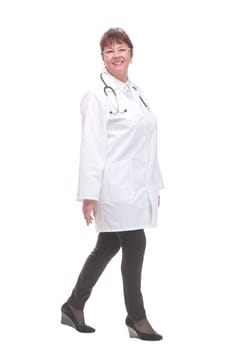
point(117, 58)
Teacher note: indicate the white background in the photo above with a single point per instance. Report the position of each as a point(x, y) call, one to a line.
point(190, 59)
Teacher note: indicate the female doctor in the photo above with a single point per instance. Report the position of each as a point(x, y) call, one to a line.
point(119, 183)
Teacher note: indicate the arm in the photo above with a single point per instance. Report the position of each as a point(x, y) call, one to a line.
point(92, 155)
point(93, 148)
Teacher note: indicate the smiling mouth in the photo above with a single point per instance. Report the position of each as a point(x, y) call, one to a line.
point(117, 62)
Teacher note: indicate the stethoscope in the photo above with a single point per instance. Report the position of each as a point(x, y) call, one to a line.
point(108, 89)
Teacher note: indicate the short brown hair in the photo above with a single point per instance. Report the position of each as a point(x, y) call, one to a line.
point(117, 35)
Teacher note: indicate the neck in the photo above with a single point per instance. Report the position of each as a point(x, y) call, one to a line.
point(120, 76)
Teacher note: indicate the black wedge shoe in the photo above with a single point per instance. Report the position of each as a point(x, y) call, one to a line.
point(69, 320)
point(134, 333)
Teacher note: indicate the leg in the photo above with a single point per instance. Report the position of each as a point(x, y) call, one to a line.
point(107, 246)
point(133, 248)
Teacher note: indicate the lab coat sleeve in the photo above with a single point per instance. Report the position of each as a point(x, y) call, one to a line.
point(93, 148)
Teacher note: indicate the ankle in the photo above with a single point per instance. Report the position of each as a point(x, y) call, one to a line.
point(143, 326)
point(78, 314)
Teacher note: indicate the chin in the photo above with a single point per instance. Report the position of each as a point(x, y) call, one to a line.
point(118, 70)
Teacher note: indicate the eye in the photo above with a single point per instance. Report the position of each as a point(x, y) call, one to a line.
point(123, 50)
point(109, 52)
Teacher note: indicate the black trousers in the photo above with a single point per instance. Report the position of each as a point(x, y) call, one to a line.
point(133, 244)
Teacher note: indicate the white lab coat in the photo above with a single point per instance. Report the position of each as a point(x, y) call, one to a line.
point(118, 157)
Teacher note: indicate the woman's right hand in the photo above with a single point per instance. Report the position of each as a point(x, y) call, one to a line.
point(89, 208)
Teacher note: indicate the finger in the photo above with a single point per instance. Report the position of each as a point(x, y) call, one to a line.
point(87, 212)
point(88, 219)
point(94, 212)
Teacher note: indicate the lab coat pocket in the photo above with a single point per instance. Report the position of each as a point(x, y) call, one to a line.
point(117, 182)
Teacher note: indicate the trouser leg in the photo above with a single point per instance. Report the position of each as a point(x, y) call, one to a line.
point(107, 246)
point(133, 248)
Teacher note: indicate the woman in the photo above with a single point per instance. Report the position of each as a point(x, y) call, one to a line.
point(119, 182)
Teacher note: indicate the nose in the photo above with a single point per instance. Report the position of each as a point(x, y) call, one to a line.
point(116, 53)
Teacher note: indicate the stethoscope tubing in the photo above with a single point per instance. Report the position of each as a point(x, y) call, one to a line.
point(107, 87)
